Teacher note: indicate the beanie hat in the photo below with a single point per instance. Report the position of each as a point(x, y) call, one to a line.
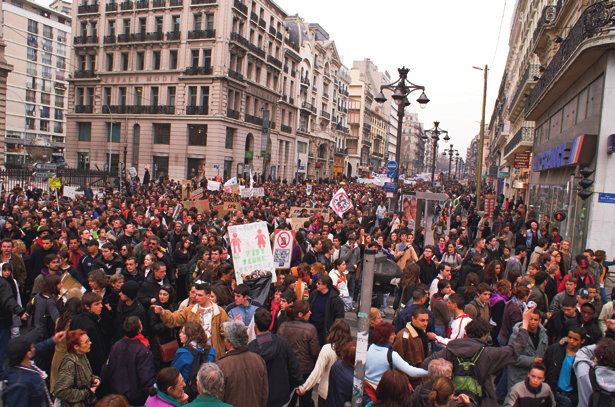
point(16, 349)
point(130, 289)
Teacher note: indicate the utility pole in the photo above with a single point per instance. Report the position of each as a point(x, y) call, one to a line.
point(367, 282)
point(481, 142)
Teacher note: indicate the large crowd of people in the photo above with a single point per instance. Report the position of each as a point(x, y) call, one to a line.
point(114, 300)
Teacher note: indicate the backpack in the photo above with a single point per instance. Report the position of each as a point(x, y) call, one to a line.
point(465, 376)
point(199, 359)
point(599, 396)
point(390, 358)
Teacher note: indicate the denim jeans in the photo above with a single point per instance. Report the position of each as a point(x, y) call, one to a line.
point(5, 335)
point(562, 400)
point(603, 295)
point(502, 388)
point(440, 331)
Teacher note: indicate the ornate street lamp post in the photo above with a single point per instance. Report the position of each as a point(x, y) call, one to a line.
point(435, 136)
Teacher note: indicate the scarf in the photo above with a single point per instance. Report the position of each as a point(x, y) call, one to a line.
point(43, 376)
point(141, 338)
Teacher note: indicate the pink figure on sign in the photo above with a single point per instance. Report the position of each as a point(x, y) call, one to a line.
point(261, 239)
point(236, 243)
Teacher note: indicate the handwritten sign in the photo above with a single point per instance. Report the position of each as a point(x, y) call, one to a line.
point(296, 211)
point(251, 249)
point(201, 206)
point(340, 202)
point(55, 183)
point(282, 248)
point(297, 223)
point(257, 192)
point(70, 192)
point(197, 193)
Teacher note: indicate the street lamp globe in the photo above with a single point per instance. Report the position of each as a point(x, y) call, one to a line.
point(423, 100)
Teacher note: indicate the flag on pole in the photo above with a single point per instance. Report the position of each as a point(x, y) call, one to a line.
point(230, 182)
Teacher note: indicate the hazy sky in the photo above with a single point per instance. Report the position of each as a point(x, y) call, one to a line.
point(439, 40)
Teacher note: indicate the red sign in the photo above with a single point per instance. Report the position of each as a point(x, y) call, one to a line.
point(521, 160)
point(489, 204)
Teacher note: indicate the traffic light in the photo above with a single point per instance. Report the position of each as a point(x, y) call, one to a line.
point(560, 216)
point(585, 183)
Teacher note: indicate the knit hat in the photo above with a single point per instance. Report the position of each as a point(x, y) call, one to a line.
point(583, 263)
point(130, 289)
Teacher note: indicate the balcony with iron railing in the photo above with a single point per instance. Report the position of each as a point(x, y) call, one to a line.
point(198, 71)
point(241, 7)
point(201, 34)
point(84, 108)
point(158, 3)
point(291, 100)
point(88, 8)
point(236, 37)
point(341, 151)
point(85, 40)
point(549, 14)
point(366, 141)
point(279, 36)
point(325, 95)
point(308, 106)
point(274, 61)
point(254, 17)
point(257, 51)
point(233, 114)
point(262, 23)
point(142, 4)
point(154, 36)
point(526, 84)
point(197, 110)
point(110, 7)
point(272, 31)
point(235, 75)
point(305, 81)
point(286, 129)
point(109, 39)
point(176, 3)
point(126, 5)
point(84, 74)
point(174, 35)
point(139, 109)
point(522, 141)
point(201, 2)
point(595, 20)
point(325, 115)
point(293, 45)
point(293, 72)
point(254, 120)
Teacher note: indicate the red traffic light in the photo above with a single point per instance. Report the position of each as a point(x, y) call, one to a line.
point(560, 216)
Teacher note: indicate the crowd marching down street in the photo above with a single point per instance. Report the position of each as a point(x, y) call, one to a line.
point(170, 295)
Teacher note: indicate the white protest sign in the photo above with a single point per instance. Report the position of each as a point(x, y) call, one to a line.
point(251, 249)
point(257, 192)
point(213, 185)
point(70, 192)
point(308, 189)
point(132, 171)
point(340, 202)
point(282, 248)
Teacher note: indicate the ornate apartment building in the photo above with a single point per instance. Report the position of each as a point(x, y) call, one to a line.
point(37, 42)
point(200, 87)
point(413, 145)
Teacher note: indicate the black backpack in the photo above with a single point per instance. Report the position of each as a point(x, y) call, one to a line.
point(199, 358)
point(599, 396)
point(465, 376)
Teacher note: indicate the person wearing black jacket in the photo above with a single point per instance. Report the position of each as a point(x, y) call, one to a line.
point(8, 308)
point(128, 307)
point(283, 370)
point(98, 329)
point(585, 319)
point(557, 322)
point(37, 260)
point(312, 254)
point(85, 262)
point(558, 359)
point(148, 292)
point(326, 306)
point(428, 265)
point(132, 272)
point(160, 255)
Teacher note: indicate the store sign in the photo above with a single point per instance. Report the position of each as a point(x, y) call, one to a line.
point(504, 172)
point(552, 158)
point(493, 171)
point(249, 155)
point(521, 160)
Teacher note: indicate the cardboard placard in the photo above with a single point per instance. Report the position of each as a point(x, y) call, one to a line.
point(282, 248)
point(295, 211)
point(201, 206)
point(297, 223)
point(197, 193)
point(256, 192)
point(68, 283)
point(227, 207)
point(251, 249)
point(235, 189)
point(70, 192)
point(230, 198)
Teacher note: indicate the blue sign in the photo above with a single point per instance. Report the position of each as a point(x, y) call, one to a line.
point(156, 166)
point(302, 168)
point(606, 198)
point(391, 166)
point(216, 167)
point(389, 187)
point(553, 158)
point(390, 174)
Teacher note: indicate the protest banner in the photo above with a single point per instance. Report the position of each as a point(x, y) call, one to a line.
point(235, 189)
point(197, 193)
point(213, 185)
point(227, 207)
point(257, 192)
point(201, 206)
point(230, 198)
point(297, 223)
point(282, 248)
point(340, 202)
point(70, 192)
point(251, 250)
point(295, 211)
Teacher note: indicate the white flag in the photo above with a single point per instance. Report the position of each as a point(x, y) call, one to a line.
point(251, 184)
point(308, 189)
point(232, 181)
point(340, 202)
point(213, 185)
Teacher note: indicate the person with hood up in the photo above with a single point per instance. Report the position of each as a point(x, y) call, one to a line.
point(491, 360)
point(594, 367)
point(283, 370)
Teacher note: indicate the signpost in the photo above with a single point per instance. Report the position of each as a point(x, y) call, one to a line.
point(389, 186)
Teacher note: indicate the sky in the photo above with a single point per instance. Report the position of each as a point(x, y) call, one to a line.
point(439, 40)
